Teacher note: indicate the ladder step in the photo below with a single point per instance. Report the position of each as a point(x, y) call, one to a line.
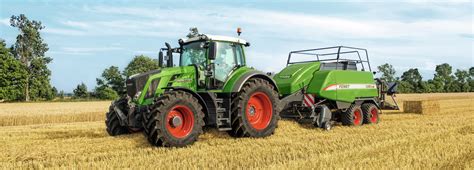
point(224, 129)
point(220, 110)
point(223, 117)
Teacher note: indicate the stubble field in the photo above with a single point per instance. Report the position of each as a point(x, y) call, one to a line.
point(72, 134)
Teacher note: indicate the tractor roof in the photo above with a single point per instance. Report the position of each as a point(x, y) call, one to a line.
point(213, 37)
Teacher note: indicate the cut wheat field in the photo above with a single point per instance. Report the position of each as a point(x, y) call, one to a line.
point(72, 134)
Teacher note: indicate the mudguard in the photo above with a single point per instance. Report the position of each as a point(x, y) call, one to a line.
point(252, 74)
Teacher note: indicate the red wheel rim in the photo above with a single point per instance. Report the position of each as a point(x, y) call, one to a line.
point(374, 115)
point(357, 117)
point(259, 110)
point(180, 121)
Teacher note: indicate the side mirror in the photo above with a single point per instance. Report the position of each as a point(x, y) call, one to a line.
point(212, 51)
point(160, 59)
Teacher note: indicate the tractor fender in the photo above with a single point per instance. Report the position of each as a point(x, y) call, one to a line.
point(253, 74)
point(196, 95)
point(368, 100)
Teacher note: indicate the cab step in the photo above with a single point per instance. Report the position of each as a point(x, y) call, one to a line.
point(224, 122)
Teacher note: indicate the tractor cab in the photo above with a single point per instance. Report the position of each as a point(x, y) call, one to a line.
point(214, 57)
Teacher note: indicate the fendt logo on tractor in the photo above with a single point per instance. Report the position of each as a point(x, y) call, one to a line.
point(211, 85)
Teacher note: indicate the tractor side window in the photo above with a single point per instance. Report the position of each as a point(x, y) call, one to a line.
point(225, 60)
point(240, 55)
point(193, 53)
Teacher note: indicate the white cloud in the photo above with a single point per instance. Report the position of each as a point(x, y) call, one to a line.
point(5, 21)
point(76, 24)
point(139, 52)
point(63, 31)
point(84, 50)
point(165, 22)
point(89, 49)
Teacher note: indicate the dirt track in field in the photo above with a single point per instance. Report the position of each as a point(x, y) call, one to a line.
point(49, 135)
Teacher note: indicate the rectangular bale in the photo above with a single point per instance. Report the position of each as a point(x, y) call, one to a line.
point(421, 106)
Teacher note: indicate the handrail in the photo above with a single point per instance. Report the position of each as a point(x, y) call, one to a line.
point(340, 51)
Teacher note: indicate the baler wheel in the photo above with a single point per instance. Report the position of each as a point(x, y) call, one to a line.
point(174, 120)
point(371, 113)
point(353, 116)
point(255, 110)
point(112, 121)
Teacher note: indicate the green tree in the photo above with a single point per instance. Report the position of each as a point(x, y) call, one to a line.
point(462, 81)
point(81, 91)
point(427, 86)
point(405, 87)
point(61, 94)
point(388, 72)
point(471, 78)
point(105, 93)
point(30, 49)
point(12, 75)
point(54, 91)
point(140, 64)
point(443, 80)
point(112, 78)
point(414, 80)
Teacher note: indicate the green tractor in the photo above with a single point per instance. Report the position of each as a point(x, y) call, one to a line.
point(333, 84)
point(210, 86)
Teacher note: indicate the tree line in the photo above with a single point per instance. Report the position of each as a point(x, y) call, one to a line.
point(25, 76)
point(111, 83)
point(443, 81)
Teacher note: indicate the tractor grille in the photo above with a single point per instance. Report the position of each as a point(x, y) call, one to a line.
point(137, 82)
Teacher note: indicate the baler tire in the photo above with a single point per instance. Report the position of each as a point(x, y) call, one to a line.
point(371, 113)
point(112, 121)
point(158, 128)
point(353, 116)
point(265, 94)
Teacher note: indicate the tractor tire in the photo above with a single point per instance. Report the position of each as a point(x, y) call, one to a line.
point(255, 110)
point(371, 113)
point(353, 116)
point(174, 120)
point(112, 121)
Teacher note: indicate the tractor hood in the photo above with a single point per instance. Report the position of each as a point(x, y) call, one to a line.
point(135, 83)
point(295, 77)
point(145, 86)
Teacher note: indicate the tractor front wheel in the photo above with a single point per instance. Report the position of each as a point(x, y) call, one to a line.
point(371, 113)
point(174, 120)
point(353, 116)
point(112, 121)
point(255, 110)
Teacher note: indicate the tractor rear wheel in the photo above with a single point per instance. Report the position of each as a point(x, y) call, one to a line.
point(174, 120)
point(255, 110)
point(112, 121)
point(353, 116)
point(371, 113)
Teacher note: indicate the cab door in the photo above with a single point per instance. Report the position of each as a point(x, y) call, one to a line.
point(228, 57)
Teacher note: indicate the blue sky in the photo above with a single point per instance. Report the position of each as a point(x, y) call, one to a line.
point(85, 37)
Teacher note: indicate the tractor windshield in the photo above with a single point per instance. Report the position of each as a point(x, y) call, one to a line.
point(193, 53)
